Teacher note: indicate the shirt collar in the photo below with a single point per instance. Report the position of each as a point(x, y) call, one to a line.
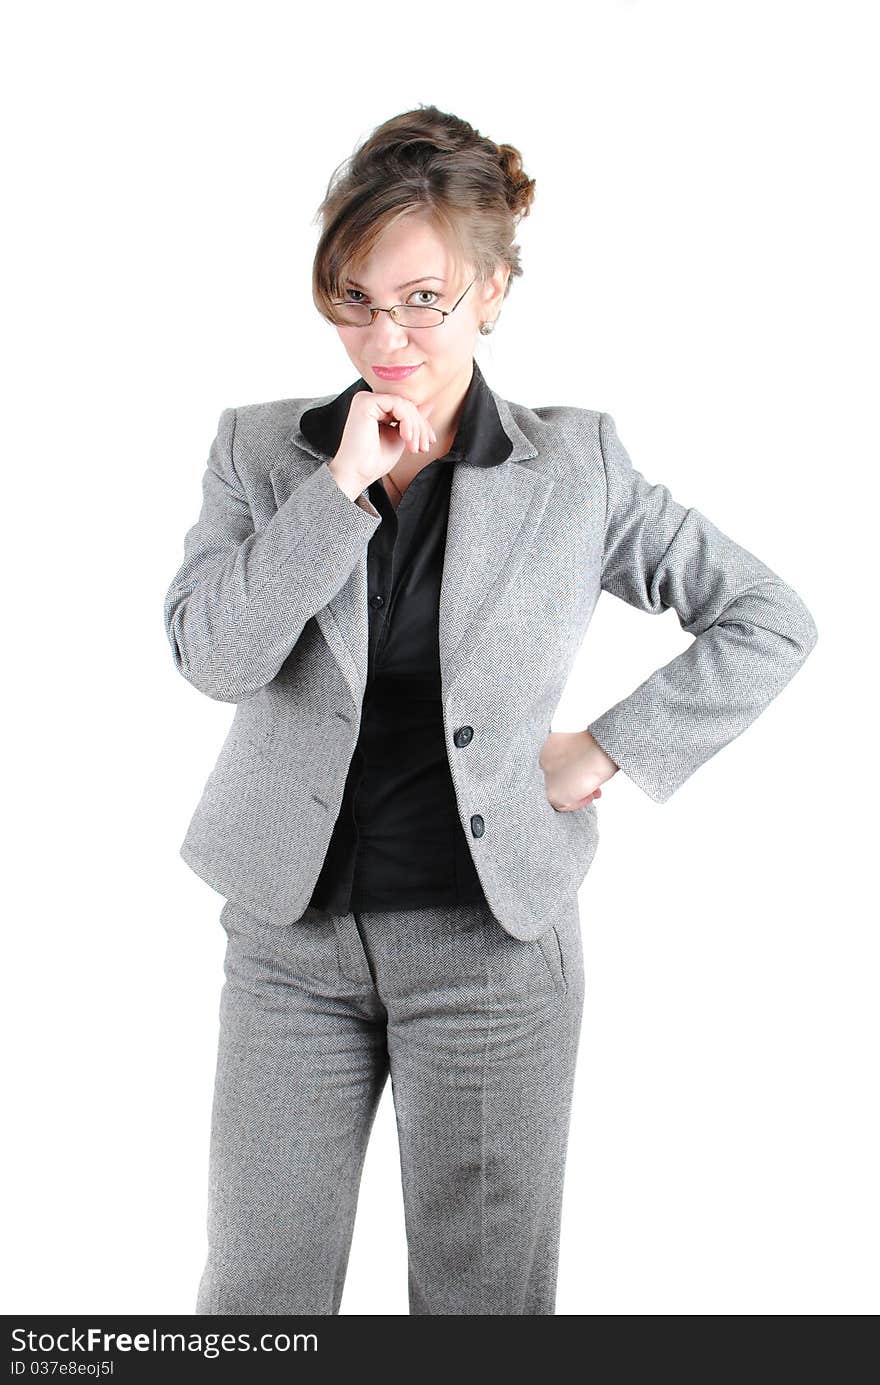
point(479, 438)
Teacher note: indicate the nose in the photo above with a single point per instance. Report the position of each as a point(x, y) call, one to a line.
point(388, 335)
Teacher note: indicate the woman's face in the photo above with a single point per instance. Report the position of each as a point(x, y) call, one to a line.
point(414, 250)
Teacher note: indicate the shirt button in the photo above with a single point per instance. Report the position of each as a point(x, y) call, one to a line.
point(478, 827)
point(463, 736)
point(377, 600)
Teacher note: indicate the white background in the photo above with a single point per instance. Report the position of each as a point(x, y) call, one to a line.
point(700, 262)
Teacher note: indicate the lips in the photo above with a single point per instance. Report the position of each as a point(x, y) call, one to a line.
point(395, 372)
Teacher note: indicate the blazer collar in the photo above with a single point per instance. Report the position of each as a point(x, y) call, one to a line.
point(486, 435)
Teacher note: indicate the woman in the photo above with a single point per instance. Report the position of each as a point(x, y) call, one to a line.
point(392, 584)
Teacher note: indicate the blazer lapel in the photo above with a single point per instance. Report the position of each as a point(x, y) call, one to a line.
point(494, 512)
point(493, 515)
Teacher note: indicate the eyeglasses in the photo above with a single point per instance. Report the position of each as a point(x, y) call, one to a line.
point(404, 314)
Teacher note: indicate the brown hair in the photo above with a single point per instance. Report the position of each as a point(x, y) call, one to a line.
point(423, 160)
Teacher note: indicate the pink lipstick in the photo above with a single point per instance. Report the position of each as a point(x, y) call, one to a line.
point(395, 372)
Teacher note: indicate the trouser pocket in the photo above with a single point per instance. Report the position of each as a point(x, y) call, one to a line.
point(551, 947)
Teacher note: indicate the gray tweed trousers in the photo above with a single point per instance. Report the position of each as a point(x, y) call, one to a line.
point(479, 1032)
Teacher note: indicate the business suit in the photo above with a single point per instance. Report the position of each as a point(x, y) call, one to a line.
point(269, 610)
point(474, 1010)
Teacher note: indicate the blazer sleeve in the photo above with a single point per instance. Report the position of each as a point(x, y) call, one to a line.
point(752, 631)
point(240, 599)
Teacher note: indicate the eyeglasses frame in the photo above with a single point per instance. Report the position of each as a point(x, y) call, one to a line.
point(344, 303)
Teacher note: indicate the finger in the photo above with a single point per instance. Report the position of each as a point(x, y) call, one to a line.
point(422, 429)
point(420, 433)
point(410, 433)
point(389, 408)
point(396, 406)
point(413, 426)
point(410, 420)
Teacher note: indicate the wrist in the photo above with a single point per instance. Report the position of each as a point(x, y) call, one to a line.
point(597, 758)
point(351, 482)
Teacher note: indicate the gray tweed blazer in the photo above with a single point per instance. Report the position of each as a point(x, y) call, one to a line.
point(269, 610)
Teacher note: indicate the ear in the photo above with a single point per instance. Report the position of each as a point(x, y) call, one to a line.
point(493, 291)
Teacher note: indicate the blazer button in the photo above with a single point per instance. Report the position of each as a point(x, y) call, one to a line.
point(463, 736)
point(377, 601)
point(478, 827)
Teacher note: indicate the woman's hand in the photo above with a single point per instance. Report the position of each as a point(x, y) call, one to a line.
point(574, 766)
point(378, 429)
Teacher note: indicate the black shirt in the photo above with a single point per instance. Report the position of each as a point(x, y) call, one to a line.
point(398, 842)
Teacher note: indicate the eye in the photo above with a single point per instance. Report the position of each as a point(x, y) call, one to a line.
point(360, 298)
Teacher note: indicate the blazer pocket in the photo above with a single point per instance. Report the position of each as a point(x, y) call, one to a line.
point(247, 750)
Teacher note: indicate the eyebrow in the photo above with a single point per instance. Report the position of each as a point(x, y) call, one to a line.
point(400, 287)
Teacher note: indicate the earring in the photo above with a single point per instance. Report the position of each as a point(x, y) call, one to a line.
point(487, 327)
